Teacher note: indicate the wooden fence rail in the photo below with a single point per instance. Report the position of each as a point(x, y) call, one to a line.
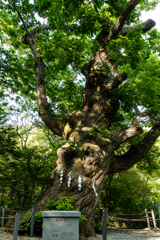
point(16, 223)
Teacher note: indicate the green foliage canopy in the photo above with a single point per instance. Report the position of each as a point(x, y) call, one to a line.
point(69, 43)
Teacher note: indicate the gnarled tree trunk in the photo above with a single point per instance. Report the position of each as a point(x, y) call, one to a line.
point(91, 156)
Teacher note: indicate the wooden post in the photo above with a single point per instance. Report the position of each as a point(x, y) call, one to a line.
point(147, 217)
point(100, 214)
point(104, 228)
point(154, 220)
point(32, 222)
point(159, 215)
point(16, 226)
point(2, 220)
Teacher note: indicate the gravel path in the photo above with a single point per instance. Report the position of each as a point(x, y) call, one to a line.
point(9, 236)
point(111, 234)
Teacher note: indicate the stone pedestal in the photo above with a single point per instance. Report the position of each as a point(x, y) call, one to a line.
point(60, 225)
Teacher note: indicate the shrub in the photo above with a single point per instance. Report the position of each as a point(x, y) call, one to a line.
point(63, 205)
point(98, 226)
point(50, 205)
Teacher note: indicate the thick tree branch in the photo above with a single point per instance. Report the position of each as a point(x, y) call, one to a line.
point(95, 7)
point(109, 33)
point(20, 16)
point(116, 81)
point(146, 26)
point(136, 153)
point(115, 29)
point(124, 134)
point(56, 125)
point(33, 33)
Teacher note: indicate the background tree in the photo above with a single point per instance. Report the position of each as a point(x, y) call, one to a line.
point(27, 159)
point(88, 37)
point(130, 191)
point(135, 189)
point(8, 148)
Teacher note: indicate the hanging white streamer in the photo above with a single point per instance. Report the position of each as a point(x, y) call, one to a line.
point(61, 176)
point(69, 179)
point(79, 183)
point(94, 189)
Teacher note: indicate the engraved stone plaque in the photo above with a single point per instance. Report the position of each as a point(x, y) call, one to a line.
point(60, 225)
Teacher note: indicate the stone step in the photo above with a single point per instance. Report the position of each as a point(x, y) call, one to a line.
point(128, 238)
point(138, 235)
point(155, 234)
point(125, 236)
point(134, 236)
point(120, 235)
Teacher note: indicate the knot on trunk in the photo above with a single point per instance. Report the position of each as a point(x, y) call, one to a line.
point(65, 156)
point(24, 39)
point(88, 151)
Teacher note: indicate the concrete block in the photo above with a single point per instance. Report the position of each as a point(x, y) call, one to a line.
point(60, 225)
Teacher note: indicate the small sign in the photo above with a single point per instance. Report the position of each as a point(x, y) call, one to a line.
point(60, 225)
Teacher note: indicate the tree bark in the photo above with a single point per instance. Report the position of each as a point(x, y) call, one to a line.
point(87, 154)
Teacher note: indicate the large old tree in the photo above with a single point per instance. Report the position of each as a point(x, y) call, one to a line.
point(98, 48)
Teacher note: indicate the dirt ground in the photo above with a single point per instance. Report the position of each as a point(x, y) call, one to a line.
point(9, 236)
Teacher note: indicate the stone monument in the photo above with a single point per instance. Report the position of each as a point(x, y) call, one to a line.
point(60, 225)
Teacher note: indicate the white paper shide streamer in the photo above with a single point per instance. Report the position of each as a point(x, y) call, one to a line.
point(69, 179)
point(79, 183)
point(93, 187)
point(61, 175)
